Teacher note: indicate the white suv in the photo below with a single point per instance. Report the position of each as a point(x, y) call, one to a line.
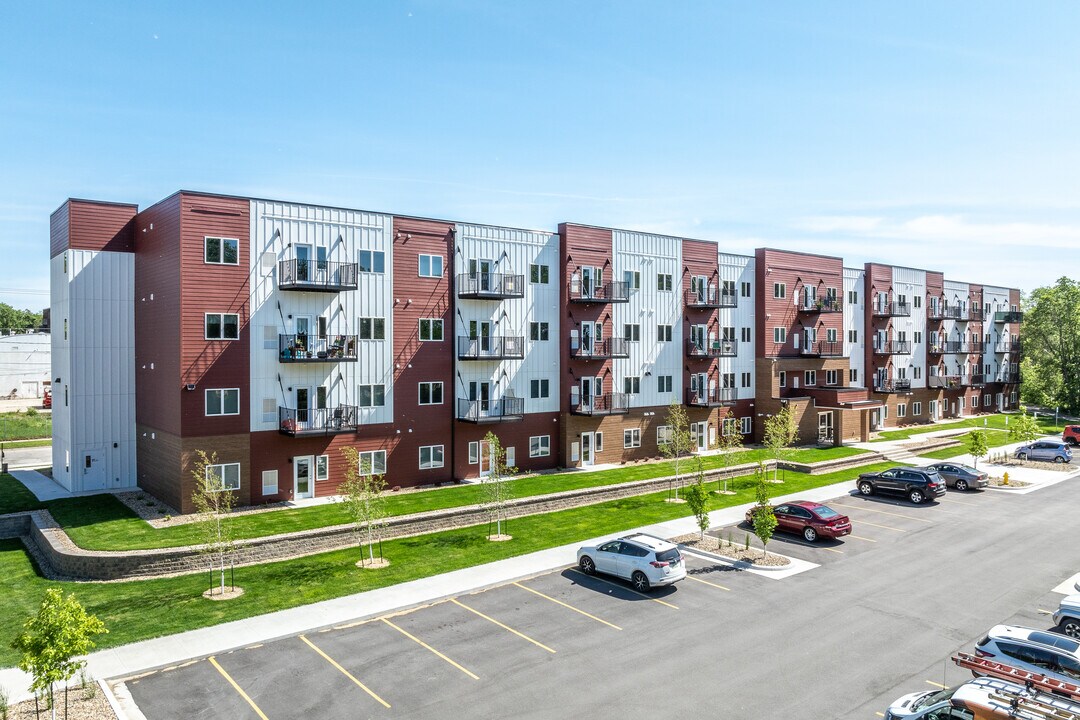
point(1050, 654)
point(644, 560)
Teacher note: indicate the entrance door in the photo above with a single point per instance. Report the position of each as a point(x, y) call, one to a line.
point(825, 427)
point(303, 486)
point(590, 280)
point(587, 387)
point(699, 432)
point(322, 266)
point(480, 393)
point(697, 337)
point(933, 410)
point(480, 270)
point(303, 264)
point(303, 403)
point(93, 470)
point(485, 458)
point(480, 333)
point(304, 338)
point(587, 444)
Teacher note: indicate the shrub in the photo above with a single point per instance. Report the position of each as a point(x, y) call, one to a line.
point(31, 412)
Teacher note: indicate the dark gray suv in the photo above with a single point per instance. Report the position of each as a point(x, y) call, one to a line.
point(919, 484)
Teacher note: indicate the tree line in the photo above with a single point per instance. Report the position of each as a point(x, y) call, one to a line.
point(1050, 333)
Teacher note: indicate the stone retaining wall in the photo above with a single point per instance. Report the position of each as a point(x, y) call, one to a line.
point(14, 526)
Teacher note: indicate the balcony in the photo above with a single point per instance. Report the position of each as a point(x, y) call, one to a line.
point(975, 347)
point(1006, 378)
point(892, 309)
point(612, 292)
point(821, 305)
point(609, 404)
point(955, 382)
point(975, 314)
point(490, 286)
point(956, 313)
point(316, 276)
point(1008, 316)
point(317, 421)
point(711, 297)
point(600, 349)
point(712, 349)
point(935, 313)
point(506, 409)
point(897, 385)
point(892, 347)
point(823, 348)
point(312, 349)
point(949, 347)
point(499, 347)
point(972, 380)
point(1016, 346)
point(711, 397)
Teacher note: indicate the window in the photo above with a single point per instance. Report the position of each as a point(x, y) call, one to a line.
point(539, 388)
point(853, 336)
point(663, 281)
point(510, 456)
point(372, 328)
point(221, 251)
point(223, 402)
point(779, 335)
point(663, 333)
point(853, 297)
point(779, 290)
point(916, 408)
point(918, 335)
point(322, 467)
point(431, 266)
point(986, 401)
point(729, 426)
point(663, 435)
point(371, 396)
point(222, 326)
point(745, 289)
point(632, 332)
point(431, 457)
point(663, 383)
point(783, 378)
point(431, 393)
point(431, 329)
point(227, 473)
point(598, 441)
point(539, 446)
point(372, 261)
point(745, 380)
point(632, 278)
point(916, 372)
point(830, 335)
point(745, 422)
point(746, 335)
point(917, 300)
point(538, 274)
point(832, 377)
point(474, 453)
point(538, 331)
point(631, 438)
point(810, 377)
point(853, 376)
point(632, 385)
point(728, 380)
point(269, 482)
point(901, 410)
point(372, 462)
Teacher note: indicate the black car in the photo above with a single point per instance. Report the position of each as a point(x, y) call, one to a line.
point(919, 484)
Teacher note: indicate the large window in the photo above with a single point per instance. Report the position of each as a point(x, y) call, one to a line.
point(223, 402)
point(539, 389)
point(322, 467)
point(779, 290)
point(431, 266)
point(431, 329)
point(632, 332)
point(539, 446)
point(372, 328)
point(538, 331)
point(538, 274)
point(663, 435)
point(222, 326)
point(745, 423)
point(663, 333)
point(663, 281)
point(631, 438)
point(431, 393)
point(632, 385)
point(221, 251)
point(779, 335)
point(371, 396)
point(372, 462)
point(227, 473)
point(663, 383)
point(372, 261)
point(431, 457)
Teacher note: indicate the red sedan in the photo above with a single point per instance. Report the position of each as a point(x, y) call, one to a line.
point(809, 519)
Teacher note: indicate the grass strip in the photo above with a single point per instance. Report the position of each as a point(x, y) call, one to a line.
point(992, 422)
point(25, 425)
point(994, 438)
point(14, 497)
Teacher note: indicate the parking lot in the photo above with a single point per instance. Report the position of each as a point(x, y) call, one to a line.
point(879, 618)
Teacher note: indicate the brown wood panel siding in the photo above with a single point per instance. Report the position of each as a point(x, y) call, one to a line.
point(416, 361)
point(699, 258)
point(208, 288)
point(101, 226)
point(159, 466)
point(59, 226)
point(510, 434)
point(794, 270)
point(157, 319)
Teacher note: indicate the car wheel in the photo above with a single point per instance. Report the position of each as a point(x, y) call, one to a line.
point(961, 485)
point(587, 565)
point(916, 496)
point(1059, 459)
point(866, 488)
point(1022, 456)
point(1070, 627)
point(810, 534)
point(640, 582)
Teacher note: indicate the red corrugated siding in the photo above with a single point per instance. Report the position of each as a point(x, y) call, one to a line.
point(699, 258)
point(794, 270)
point(582, 246)
point(101, 226)
point(270, 450)
point(510, 434)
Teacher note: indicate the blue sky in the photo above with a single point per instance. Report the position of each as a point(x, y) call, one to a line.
point(938, 135)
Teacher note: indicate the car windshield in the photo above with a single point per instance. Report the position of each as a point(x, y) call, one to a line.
point(669, 555)
point(969, 469)
point(932, 698)
point(825, 512)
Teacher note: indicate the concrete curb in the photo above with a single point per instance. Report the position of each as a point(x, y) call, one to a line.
point(737, 564)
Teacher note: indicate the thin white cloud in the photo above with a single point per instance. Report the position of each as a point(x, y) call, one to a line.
point(934, 229)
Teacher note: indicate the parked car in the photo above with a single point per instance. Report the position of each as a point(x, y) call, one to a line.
point(961, 477)
point(1048, 450)
point(1071, 436)
point(1053, 655)
point(919, 484)
point(980, 699)
point(644, 560)
point(809, 519)
point(1067, 616)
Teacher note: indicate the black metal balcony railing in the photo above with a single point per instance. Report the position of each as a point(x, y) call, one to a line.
point(1016, 346)
point(888, 385)
point(600, 349)
point(823, 348)
point(505, 409)
point(972, 380)
point(499, 347)
point(821, 305)
point(317, 421)
point(711, 397)
point(607, 404)
point(1007, 378)
point(935, 313)
point(313, 349)
point(1008, 316)
point(711, 297)
point(956, 313)
point(892, 347)
point(975, 314)
point(712, 348)
point(975, 347)
point(316, 275)
point(490, 286)
point(612, 292)
point(892, 309)
point(945, 382)
point(949, 347)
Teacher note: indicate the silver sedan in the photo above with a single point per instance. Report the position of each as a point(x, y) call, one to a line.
point(961, 477)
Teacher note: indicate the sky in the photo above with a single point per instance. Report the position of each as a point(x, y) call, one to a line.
point(935, 135)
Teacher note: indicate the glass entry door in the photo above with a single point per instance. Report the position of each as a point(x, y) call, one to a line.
point(303, 486)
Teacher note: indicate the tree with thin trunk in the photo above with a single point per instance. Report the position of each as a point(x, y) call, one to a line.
point(50, 642)
point(977, 445)
point(698, 500)
point(496, 489)
point(764, 517)
point(1023, 427)
point(362, 493)
point(214, 502)
point(679, 442)
point(729, 443)
point(780, 433)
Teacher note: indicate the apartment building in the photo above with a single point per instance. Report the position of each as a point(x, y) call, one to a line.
point(271, 335)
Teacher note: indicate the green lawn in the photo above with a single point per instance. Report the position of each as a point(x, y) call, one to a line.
point(14, 497)
point(994, 439)
point(100, 522)
point(996, 422)
point(150, 608)
point(42, 442)
point(22, 426)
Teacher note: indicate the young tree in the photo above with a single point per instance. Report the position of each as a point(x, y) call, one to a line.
point(780, 433)
point(764, 517)
point(362, 493)
point(1022, 427)
point(50, 641)
point(679, 442)
point(729, 443)
point(977, 445)
point(213, 501)
point(698, 500)
point(496, 488)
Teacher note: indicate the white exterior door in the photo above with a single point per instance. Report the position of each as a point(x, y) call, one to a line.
point(93, 470)
point(304, 269)
point(303, 480)
point(587, 458)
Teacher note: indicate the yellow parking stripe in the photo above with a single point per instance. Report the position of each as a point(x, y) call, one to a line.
point(885, 512)
point(237, 688)
point(706, 582)
point(936, 684)
point(571, 607)
point(859, 537)
point(623, 587)
point(521, 635)
point(424, 645)
point(345, 672)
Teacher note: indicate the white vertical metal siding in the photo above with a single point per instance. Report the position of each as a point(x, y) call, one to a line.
point(854, 316)
point(957, 294)
point(998, 300)
point(912, 284)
